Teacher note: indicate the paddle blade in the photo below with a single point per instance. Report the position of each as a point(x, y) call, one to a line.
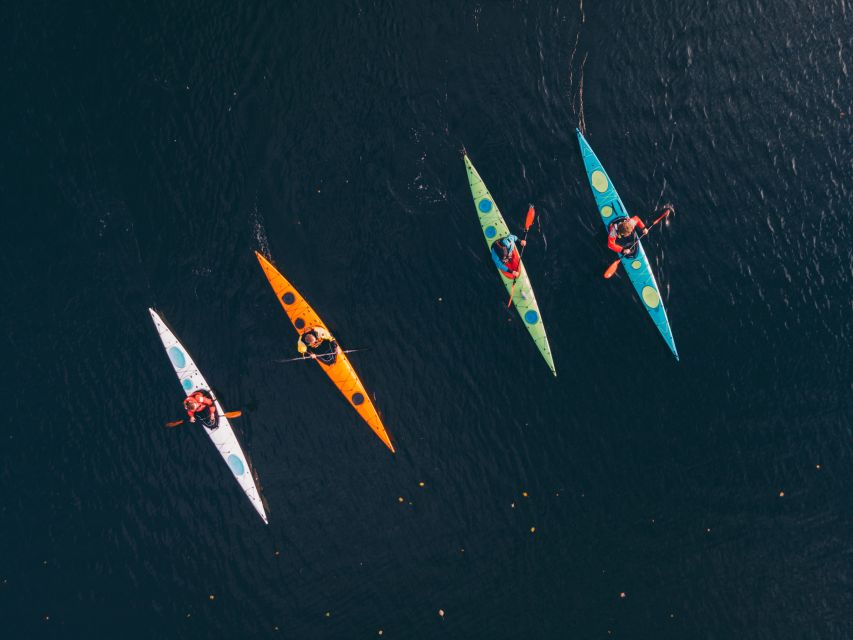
point(612, 269)
point(661, 217)
point(233, 414)
point(531, 213)
point(169, 425)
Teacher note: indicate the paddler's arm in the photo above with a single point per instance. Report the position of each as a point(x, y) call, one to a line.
point(611, 244)
point(639, 222)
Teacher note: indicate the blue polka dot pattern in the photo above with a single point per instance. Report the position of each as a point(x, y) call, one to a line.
point(485, 205)
point(177, 357)
point(187, 384)
point(299, 323)
point(491, 232)
point(531, 317)
point(288, 298)
point(236, 465)
point(357, 398)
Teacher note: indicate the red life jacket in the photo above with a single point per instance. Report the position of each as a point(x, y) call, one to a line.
point(202, 402)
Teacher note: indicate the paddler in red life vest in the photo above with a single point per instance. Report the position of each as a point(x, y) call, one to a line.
point(505, 256)
point(319, 344)
point(199, 402)
point(621, 236)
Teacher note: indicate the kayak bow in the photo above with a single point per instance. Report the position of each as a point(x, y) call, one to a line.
point(639, 271)
point(223, 437)
point(494, 227)
point(341, 372)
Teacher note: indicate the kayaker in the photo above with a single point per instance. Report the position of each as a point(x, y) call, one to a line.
point(319, 344)
point(505, 255)
point(198, 402)
point(621, 237)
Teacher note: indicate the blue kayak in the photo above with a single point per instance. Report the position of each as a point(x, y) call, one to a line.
point(637, 267)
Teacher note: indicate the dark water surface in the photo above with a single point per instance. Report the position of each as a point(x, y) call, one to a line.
point(148, 148)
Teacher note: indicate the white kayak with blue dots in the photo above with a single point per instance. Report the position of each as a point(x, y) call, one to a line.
point(223, 437)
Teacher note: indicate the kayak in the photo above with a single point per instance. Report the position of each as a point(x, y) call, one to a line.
point(302, 316)
point(610, 208)
point(223, 437)
point(494, 228)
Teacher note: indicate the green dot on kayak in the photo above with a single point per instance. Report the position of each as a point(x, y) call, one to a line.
point(636, 264)
point(607, 211)
point(599, 181)
point(651, 297)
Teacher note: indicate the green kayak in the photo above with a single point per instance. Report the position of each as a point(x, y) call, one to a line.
point(494, 228)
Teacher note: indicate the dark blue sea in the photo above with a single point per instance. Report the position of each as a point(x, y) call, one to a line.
point(147, 149)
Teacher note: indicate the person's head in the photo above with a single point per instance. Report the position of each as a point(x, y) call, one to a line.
point(310, 339)
point(190, 404)
point(625, 228)
point(502, 250)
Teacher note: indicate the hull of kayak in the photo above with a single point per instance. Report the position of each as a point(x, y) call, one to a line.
point(639, 271)
point(302, 316)
point(494, 227)
point(223, 437)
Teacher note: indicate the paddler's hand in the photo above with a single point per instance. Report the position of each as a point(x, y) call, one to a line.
point(522, 242)
point(515, 274)
point(192, 419)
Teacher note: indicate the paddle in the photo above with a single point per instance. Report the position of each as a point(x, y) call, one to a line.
point(613, 267)
point(230, 414)
point(531, 213)
point(300, 358)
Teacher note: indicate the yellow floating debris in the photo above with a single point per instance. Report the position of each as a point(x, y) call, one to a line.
point(441, 612)
point(420, 484)
point(400, 499)
point(212, 597)
point(781, 494)
point(532, 529)
point(524, 493)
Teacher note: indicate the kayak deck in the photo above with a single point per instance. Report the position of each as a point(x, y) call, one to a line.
point(223, 436)
point(639, 271)
point(494, 227)
point(341, 373)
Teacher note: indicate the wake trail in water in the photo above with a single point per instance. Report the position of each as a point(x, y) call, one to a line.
point(577, 97)
point(259, 231)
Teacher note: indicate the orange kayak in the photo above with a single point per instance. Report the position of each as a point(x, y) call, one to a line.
point(341, 372)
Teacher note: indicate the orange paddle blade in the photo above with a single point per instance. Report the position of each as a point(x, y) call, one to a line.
point(612, 269)
point(531, 213)
point(173, 424)
point(233, 414)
